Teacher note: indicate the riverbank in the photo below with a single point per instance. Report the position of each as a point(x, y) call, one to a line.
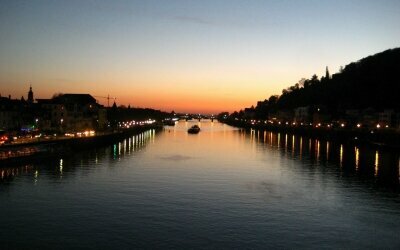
point(38, 150)
point(382, 138)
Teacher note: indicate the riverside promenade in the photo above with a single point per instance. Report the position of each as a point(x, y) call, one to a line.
point(382, 138)
point(42, 148)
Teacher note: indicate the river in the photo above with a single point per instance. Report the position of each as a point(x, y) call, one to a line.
point(222, 188)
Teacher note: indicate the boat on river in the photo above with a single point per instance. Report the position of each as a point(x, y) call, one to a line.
point(194, 129)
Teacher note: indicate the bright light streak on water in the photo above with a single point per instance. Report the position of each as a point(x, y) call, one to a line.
point(357, 152)
point(376, 162)
point(327, 151)
point(341, 155)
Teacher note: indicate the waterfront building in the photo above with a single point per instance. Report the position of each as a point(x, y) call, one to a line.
point(387, 117)
point(71, 112)
point(321, 115)
point(285, 115)
point(10, 113)
point(249, 113)
point(18, 115)
point(352, 116)
point(302, 114)
point(370, 117)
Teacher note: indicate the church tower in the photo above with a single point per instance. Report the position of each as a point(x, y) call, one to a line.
point(30, 95)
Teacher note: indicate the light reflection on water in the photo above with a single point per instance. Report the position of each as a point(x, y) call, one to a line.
point(221, 188)
point(363, 160)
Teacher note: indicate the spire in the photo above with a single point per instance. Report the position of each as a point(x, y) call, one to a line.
point(327, 76)
point(30, 94)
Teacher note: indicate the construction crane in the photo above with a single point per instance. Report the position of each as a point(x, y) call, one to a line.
point(106, 97)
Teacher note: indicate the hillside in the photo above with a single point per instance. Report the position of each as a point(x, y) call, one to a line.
point(371, 82)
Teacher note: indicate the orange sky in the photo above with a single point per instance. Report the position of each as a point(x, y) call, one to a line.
point(187, 56)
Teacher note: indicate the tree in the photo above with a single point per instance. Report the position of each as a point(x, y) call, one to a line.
point(327, 76)
point(273, 99)
point(314, 79)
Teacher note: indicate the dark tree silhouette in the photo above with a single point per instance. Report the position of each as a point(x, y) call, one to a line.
point(372, 82)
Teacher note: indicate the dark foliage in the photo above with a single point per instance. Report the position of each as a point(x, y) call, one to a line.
point(372, 82)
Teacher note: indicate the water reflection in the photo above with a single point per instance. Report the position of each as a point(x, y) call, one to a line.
point(376, 162)
point(362, 161)
point(9, 173)
point(132, 144)
point(62, 167)
point(341, 155)
point(365, 162)
point(357, 154)
point(259, 188)
point(327, 150)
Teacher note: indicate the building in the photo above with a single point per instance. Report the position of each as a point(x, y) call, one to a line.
point(352, 116)
point(302, 114)
point(18, 115)
point(370, 117)
point(30, 95)
point(284, 116)
point(10, 113)
point(249, 113)
point(387, 117)
point(71, 113)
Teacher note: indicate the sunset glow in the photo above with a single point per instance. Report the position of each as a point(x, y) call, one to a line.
point(187, 56)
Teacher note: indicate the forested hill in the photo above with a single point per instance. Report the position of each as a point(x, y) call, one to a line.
point(372, 82)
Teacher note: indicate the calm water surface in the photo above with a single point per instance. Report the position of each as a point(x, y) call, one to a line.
point(222, 188)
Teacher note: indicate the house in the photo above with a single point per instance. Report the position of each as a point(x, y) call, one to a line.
point(71, 112)
point(284, 116)
point(387, 117)
point(249, 113)
point(302, 114)
point(370, 117)
point(10, 113)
